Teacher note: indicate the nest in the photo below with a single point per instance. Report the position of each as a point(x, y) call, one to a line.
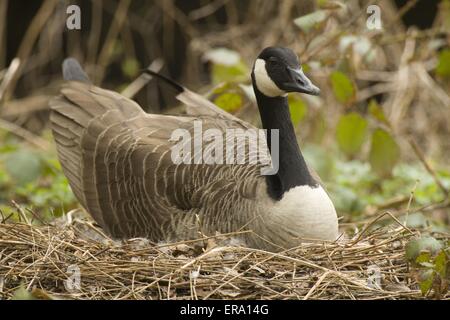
point(75, 261)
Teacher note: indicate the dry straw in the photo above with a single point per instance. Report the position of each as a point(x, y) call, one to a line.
point(371, 265)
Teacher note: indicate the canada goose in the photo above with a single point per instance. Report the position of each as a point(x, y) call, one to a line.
point(118, 163)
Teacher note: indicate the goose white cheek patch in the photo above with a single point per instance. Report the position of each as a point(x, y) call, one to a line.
point(264, 83)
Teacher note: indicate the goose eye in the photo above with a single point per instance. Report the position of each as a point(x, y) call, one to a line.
point(273, 61)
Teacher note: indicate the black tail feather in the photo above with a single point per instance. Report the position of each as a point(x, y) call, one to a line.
point(169, 81)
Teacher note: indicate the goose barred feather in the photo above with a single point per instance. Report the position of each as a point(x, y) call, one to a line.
point(118, 162)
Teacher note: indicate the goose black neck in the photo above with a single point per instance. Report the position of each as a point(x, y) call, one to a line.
point(293, 170)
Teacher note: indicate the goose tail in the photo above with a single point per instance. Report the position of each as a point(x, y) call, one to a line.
point(72, 71)
point(78, 116)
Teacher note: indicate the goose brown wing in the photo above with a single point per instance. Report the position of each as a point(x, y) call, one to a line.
point(118, 162)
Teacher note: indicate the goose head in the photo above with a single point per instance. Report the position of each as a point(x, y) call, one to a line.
point(277, 71)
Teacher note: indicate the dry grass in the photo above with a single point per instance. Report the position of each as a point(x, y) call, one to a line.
point(38, 257)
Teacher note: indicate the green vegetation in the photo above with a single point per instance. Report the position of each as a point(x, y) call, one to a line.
point(32, 179)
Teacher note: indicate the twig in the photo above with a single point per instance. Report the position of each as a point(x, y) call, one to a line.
point(17, 107)
point(21, 212)
point(206, 10)
point(223, 235)
point(371, 223)
point(9, 76)
point(36, 216)
point(314, 287)
point(106, 51)
point(24, 134)
point(3, 24)
point(334, 37)
point(28, 41)
point(427, 166)
point(410, 200)
point(133, 88)
point(37, 255)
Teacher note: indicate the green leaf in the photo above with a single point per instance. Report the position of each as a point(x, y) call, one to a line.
point(323, 160)
point(330, 4)
point(351, 132)
point(384, 152)
point(377, 112)
point(440, 263)
point(307, 22)
point(130, 67)
point(297, 108)
point(423, 257)
point(443, 67)
point(426, 281)
point(319, 127)
point(343, 88)
point(416, 247)
point(223, 73)
point(223, 87)
point(36, 294)
point(346, 200)
point(227, 65)
point(415, 220)
point(306, 68)
point(6, 148)
point(23, 294)
point(229, 102)
point(23, 166)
